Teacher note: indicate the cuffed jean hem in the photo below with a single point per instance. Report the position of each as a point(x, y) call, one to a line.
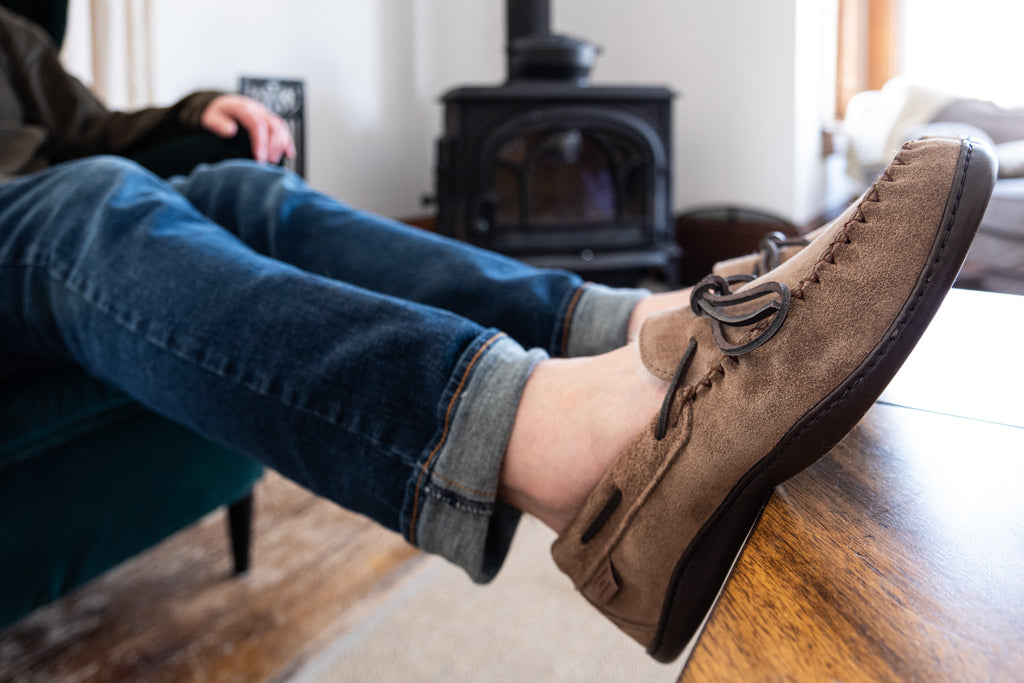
point(452, 502)
point(599, 320)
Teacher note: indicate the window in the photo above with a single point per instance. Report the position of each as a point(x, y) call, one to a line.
point(966, 49)
point(869, 41)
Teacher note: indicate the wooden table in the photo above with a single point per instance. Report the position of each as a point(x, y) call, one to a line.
point(899, 555)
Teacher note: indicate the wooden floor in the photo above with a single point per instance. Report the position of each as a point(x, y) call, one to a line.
point(175, 614)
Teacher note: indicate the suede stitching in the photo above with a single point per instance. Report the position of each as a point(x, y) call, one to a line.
point(691, 392)
point(827, 258)
point(843, 236)
point(889, 342)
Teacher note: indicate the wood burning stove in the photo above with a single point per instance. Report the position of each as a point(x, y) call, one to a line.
point(554, 171)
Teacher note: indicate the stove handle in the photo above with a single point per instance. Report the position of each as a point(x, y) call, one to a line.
point(483, 217)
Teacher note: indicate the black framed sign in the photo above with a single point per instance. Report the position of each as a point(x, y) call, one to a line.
point(286, 98)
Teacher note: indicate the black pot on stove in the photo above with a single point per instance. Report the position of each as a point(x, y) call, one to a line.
point(549, 56)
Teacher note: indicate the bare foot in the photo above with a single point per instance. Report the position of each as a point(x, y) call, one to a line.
point(575, 417)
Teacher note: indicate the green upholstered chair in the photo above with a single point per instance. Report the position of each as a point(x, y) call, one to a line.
point(88, 476)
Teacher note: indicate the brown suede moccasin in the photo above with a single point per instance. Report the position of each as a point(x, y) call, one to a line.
point(764, 380)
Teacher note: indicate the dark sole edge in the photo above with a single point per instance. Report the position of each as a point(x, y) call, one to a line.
point(705, 566)
point(750, 521)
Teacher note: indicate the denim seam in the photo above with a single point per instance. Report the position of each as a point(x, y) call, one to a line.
point(567, 320)
point(467, 489)
point(456, 501)
point(425, 467)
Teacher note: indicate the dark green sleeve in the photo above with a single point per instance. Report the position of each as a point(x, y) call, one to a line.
point(77, 123)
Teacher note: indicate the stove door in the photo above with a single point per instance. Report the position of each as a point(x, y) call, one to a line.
point(564, 179)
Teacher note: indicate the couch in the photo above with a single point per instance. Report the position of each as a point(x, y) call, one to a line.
point(879, 121)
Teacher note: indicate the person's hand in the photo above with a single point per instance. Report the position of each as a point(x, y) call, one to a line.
point(270, 136)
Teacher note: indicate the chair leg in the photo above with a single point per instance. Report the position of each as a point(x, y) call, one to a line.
point(240, 530)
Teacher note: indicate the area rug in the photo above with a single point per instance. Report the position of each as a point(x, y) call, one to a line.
point(527, 625)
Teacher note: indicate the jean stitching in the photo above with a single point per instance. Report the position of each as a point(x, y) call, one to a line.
point(467, 489)
point(425, 468)
point(457, 502)
point(567, 320)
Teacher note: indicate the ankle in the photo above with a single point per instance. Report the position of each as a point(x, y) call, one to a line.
point(530, 476)
point(574, 418)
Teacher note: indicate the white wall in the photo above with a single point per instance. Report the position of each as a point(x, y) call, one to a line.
point(749, 74)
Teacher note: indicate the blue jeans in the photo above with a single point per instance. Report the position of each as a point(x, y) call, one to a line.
point(378, 365)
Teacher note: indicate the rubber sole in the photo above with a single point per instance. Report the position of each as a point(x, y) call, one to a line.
point(705, 566)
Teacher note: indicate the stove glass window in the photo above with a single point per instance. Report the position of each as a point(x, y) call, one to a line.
point(566, 177)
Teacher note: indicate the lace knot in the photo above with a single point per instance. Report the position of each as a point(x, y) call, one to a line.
point(712, 295)
point(709, 299)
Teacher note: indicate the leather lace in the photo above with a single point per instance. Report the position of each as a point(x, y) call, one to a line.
point(709, 298)
point(771, 248)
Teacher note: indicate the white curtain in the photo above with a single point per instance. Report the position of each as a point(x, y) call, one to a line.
point(109, 47)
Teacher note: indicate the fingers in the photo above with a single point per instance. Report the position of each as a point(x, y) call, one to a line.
point(271, 139)
point(219, 123)
point(278, 140)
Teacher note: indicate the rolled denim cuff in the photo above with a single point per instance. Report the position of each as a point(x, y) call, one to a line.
point(599, 321)
point(455, 511)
